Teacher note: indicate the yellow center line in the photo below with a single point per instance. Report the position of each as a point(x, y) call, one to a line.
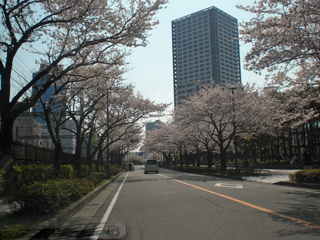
point(305, 223)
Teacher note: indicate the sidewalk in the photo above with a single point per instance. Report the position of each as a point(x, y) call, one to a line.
point(281, 177)
point(277, 175)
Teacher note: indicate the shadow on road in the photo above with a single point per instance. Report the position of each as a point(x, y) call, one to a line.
point(302, 210)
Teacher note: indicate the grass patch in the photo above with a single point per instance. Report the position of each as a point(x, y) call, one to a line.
point(15, 225)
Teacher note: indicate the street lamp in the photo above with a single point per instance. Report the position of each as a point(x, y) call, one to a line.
point(234, 128)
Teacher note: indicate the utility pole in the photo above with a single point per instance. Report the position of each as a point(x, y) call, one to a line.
point(108, 130)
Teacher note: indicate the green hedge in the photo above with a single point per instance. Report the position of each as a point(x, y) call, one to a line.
point(113, 172)
point(47, 197)
point(84, 170)
point(28, 174)
point(97, 177)
point(215, 170)
point(306, 176)
point(38, 190)
point(192, 169)
point(66, 172)
point(9, 234)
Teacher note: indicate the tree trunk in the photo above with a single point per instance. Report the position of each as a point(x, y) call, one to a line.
point(78, 150)
point(181, 157)
point(57, 157)
point(223, 158)
point(198, 157)
point(77, 157)
point(6, 116)
point(99, 161)
point(6, 137)
point(209, 158)
point(290, 144)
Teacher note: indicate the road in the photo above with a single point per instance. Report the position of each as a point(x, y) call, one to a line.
point(175, 205)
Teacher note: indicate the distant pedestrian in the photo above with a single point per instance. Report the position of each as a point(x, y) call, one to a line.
point(307, 159)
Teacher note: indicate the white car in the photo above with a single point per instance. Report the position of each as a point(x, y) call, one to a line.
point(151, 166)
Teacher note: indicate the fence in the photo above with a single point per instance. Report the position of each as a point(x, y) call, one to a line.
point(25, 154)
point(29, 154)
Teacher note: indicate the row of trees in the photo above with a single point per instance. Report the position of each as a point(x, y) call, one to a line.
point(284, 36)
point(82, 48)
point(231, 123)
point(106, 114)
point(211, 120)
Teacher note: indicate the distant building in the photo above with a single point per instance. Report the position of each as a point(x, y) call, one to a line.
point(205, 51)
point(27, 130)
point(37, 109)
point(67, 138)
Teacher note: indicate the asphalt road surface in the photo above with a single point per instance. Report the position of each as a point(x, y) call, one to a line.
point(174, 205)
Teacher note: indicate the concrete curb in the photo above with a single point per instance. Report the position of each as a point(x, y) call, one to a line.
point(302, 185)
point(48, 227)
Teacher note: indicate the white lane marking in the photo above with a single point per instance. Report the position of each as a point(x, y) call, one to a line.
point(104, 219)
point(229, 185)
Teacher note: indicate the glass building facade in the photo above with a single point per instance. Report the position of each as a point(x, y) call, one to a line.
point(205, 51)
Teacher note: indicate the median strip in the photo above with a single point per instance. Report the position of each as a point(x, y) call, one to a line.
point(305, 223)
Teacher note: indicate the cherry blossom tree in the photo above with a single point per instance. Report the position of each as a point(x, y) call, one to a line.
point(118, 115)
point(55, 117)
point(285, 42)
point(76, 100)
point(119, 149)
point(201, 138)
point(227, 113)
point(66, 35)
point(196, 135)
point(159, 140)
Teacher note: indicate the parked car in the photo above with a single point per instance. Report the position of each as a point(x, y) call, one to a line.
point(129, 167)
point(151, 166)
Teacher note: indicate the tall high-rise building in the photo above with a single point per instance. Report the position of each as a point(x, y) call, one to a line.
point(37, 109)
point(205, 49)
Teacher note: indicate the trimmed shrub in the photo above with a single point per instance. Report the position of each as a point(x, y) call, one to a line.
point(97, 177)
point(66, 172)
point(113, 172)
point(9, 234)
point(84, 170)
point(93, 168)
point(113, 166)
point(28, 174)
point(306, 176)
point(191, 169)
point(48, 197)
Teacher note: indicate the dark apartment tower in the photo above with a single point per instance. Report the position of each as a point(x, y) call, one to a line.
point(205, 49)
